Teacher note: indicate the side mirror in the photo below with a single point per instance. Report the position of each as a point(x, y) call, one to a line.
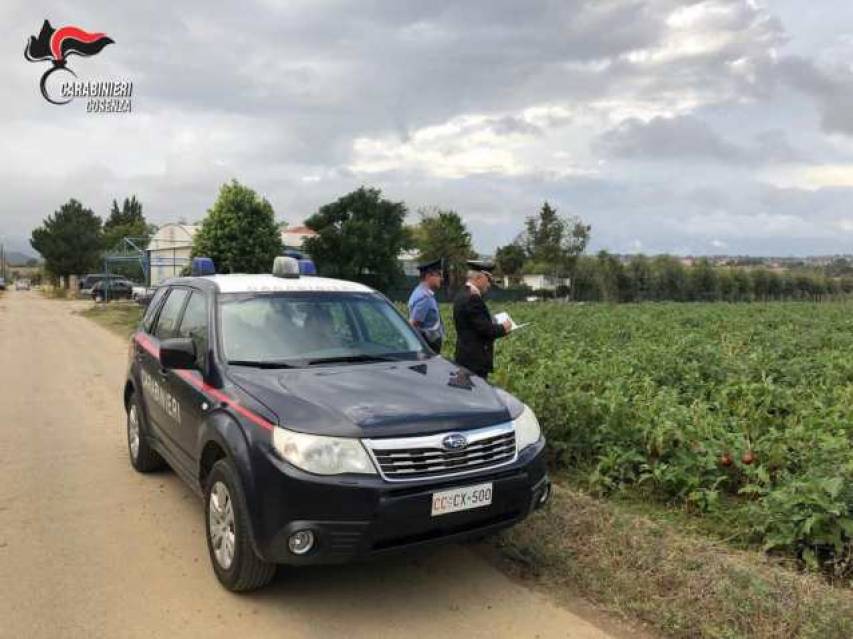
point(178, 353)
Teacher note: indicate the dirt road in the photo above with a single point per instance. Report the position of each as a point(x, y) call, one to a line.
point(89, 548)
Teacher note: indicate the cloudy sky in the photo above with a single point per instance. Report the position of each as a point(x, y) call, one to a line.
point(723, 126)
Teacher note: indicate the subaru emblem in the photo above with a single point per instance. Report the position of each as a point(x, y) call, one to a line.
point(454, 441)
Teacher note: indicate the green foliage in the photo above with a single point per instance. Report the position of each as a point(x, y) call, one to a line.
point(125, 221)
point(730, 411)
point(509, 259)
point(443, 234)
point(604, 278)
point(239, 232)
point(553, 243)
point(69, 240)
point(359, 237)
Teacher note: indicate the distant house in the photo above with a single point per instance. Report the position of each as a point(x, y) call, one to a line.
point(408, 261)
point(169, 251)
point(539, 281)
point(293, 237)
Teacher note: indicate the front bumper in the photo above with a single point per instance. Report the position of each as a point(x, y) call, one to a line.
point(357, 518)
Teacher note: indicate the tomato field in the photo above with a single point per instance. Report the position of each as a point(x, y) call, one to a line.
point(742, 410)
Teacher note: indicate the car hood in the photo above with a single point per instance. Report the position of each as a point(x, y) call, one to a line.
point(377, 399)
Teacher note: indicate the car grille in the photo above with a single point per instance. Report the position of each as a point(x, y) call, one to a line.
point(410, 458)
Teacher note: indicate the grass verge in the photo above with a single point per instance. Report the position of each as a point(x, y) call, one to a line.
point(119, 317)
point(679, 583)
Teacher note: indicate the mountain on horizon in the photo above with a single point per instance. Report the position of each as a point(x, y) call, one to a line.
point(16, 258)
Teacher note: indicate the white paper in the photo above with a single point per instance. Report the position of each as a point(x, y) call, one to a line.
point(500, 318)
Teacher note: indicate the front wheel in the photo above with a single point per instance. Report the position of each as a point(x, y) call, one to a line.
point(142, 457)
point(234, 561)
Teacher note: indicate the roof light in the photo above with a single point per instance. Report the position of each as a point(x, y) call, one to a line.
point(307, 267)
point(284, 266)
point(203, 266)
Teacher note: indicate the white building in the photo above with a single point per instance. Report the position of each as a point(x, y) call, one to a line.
point(169, 251)
point(541, 282)
point(408, 261)
point(293, 237)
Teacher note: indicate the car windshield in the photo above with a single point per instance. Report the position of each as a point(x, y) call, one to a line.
point(310, 329)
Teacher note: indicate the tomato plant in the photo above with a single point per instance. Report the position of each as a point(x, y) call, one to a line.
point(696, 401)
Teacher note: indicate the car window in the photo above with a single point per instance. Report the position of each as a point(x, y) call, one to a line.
point(167, 322)
point(151, 311)
point(194, 324)
point(262, 327)
point(380, 328)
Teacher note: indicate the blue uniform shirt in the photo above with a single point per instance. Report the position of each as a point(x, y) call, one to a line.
point(424, 309)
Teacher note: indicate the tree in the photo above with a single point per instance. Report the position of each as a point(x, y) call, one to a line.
point(553, 243)
point(442, 234)
point(127, 221)
point(639, 271)
point(543, 236)
point(670, 278)
point(239, 232)
point(359, 237)
point(70, 240)
point(509, 259)
point(704, 282)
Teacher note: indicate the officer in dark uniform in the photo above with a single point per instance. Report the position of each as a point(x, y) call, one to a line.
point(476, 331)
point(423, 307)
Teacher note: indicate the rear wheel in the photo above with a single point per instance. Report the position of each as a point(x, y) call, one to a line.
point(142, 457)
point(234, 561)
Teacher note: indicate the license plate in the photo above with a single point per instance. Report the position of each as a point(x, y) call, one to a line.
point(451, 501)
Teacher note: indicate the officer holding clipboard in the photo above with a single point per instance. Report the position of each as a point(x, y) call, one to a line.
point(476, 330)
point(423, 307)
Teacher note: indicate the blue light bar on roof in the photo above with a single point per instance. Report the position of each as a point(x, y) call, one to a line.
point(203, 266)
point(307, 267)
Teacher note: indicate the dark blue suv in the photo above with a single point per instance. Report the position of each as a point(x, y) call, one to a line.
point(318, 426)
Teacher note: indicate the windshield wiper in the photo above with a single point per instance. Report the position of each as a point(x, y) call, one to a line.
point(351, 358)
point(260, 363)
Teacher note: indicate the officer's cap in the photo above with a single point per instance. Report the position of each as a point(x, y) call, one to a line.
point(485, 268)
point(430, 267)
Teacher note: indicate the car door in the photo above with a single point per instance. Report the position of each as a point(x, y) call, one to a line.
point(186, 385)
point(162, 409)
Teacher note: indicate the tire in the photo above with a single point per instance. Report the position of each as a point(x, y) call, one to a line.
point(226, 517)
point(143, 458)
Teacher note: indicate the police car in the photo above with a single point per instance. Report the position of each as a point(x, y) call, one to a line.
point(317, 425)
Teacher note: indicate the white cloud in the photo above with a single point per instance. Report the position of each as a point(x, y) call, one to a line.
point(811, 177)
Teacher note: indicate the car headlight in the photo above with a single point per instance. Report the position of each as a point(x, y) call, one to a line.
point(527, 429)
point(322, 455)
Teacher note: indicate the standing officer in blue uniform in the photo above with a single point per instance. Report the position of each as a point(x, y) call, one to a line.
point(423, 307)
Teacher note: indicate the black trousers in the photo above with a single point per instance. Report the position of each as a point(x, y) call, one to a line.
point(436, 345)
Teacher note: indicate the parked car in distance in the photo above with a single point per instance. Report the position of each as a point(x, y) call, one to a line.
point(87, 283)
point(2, 284)
point(142, 294)
point(112, 289)
point(22, 285)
